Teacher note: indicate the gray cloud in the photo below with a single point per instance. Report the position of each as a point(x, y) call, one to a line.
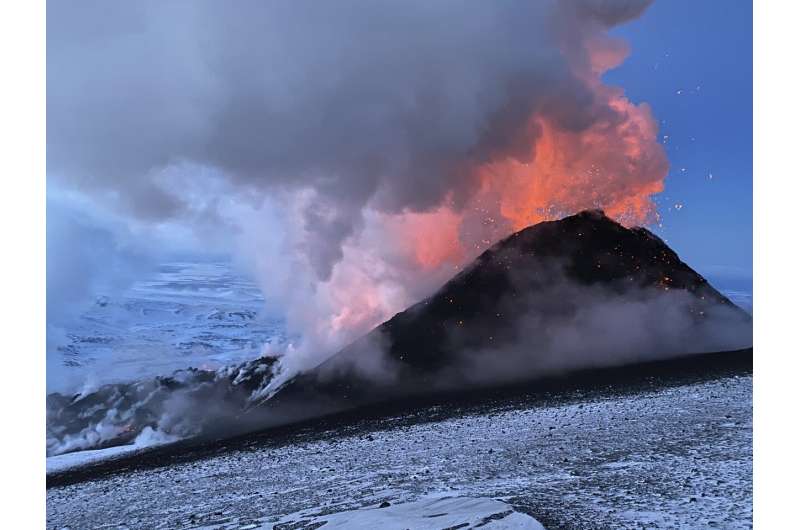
point(363, 102)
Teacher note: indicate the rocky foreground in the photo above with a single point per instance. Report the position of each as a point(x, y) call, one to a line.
point(661, 453)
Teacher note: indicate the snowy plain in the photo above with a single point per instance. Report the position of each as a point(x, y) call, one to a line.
point(184, 314)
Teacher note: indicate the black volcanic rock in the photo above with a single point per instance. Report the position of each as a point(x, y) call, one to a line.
point(588, 248)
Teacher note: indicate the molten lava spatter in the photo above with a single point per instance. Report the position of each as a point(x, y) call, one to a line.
point(614, 162)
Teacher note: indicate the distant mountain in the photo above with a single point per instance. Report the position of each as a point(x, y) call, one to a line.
point(579, 293)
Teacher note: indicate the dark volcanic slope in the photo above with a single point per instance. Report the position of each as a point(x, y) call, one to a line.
point(580, 292)
point(588, 248)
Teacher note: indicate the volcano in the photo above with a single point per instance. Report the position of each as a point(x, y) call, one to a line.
point(579, 293)
point(576, 293)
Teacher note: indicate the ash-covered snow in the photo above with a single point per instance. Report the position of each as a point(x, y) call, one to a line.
point(669, 457)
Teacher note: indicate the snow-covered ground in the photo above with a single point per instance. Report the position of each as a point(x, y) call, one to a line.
point(669, 457)
point(203, 315)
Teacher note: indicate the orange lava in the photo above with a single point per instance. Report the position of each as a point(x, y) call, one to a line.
point(615, 164)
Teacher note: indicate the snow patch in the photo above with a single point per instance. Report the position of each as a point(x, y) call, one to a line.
point(81, 458)
point(432, 513)
point(149, 437)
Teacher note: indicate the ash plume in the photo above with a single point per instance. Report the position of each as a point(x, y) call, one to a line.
point(355, 153)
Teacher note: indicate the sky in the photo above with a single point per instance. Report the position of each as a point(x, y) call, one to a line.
point(692, 62)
